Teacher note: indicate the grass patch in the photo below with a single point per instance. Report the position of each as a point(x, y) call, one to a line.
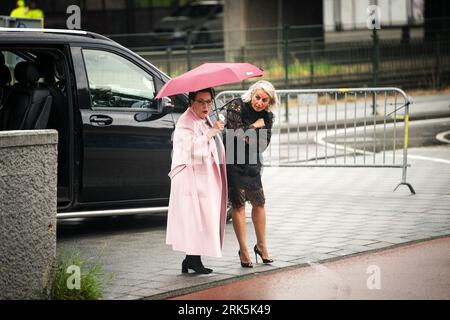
point(76, 279)
point(275, 69)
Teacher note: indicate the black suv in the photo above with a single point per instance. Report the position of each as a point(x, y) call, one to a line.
point(114, 149)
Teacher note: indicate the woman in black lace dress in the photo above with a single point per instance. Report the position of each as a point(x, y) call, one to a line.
point(249, 124)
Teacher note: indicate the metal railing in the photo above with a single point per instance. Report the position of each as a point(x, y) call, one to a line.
point(352, 127)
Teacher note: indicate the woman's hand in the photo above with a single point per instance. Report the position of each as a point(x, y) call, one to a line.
point(219, 125)
point(258, 124)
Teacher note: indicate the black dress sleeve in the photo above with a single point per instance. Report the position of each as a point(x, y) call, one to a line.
point(267, 133)
point(234, 116)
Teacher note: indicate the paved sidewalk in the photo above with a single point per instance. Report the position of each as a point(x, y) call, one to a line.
point(313, 214)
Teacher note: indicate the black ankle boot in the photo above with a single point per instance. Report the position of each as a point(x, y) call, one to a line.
point(194, 263)
point(201, 263)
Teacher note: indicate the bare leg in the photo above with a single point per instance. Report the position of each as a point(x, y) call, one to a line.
point(241, 232)
point(259, 221)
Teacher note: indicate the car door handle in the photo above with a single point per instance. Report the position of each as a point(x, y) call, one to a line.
point(101, 120)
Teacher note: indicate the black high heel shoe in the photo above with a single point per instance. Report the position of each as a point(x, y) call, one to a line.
point(245, 264)
point(194, 263)
point(258, 252)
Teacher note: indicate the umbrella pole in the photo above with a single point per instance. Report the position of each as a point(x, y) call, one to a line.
point(215, 109)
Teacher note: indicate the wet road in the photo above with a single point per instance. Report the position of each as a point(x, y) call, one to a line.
point(417, 271)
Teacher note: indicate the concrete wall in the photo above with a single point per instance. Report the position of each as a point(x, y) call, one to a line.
point(253, 22)
point(234, 24)
point(28, 173)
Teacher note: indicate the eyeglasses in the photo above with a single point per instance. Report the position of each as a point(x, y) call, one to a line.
point(204, 102)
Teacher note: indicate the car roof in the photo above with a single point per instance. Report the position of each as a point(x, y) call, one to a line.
point(30, 36)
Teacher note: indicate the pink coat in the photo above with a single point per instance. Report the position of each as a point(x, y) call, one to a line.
point(198, 195)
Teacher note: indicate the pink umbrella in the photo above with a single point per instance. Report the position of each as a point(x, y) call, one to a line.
point(209, 75)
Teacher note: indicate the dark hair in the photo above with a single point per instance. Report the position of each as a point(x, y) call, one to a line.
point(193, 94)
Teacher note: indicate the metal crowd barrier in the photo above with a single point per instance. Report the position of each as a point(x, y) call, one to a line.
point(354, 127)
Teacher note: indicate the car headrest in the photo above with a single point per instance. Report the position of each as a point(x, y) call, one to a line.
point(58, 69)
point(45, 67)
point(5, 75)
point(26, 72)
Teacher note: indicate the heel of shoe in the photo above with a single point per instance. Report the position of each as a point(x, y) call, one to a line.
point(184, 266)
point(258, 252)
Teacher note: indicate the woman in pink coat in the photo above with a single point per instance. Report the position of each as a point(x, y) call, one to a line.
point(198, 195)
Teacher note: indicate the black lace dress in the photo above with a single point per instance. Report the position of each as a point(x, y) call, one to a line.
point(243, 161)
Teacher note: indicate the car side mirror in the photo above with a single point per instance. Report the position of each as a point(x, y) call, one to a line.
point(165, 105)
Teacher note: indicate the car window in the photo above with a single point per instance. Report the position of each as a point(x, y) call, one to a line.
point(195, 11)
point(115, 82)
point(11, 60)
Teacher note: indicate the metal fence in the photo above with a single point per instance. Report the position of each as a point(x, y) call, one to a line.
point(354, 127)
point(293, 61)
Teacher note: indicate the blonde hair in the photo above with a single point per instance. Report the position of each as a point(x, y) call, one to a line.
point(265, 86)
